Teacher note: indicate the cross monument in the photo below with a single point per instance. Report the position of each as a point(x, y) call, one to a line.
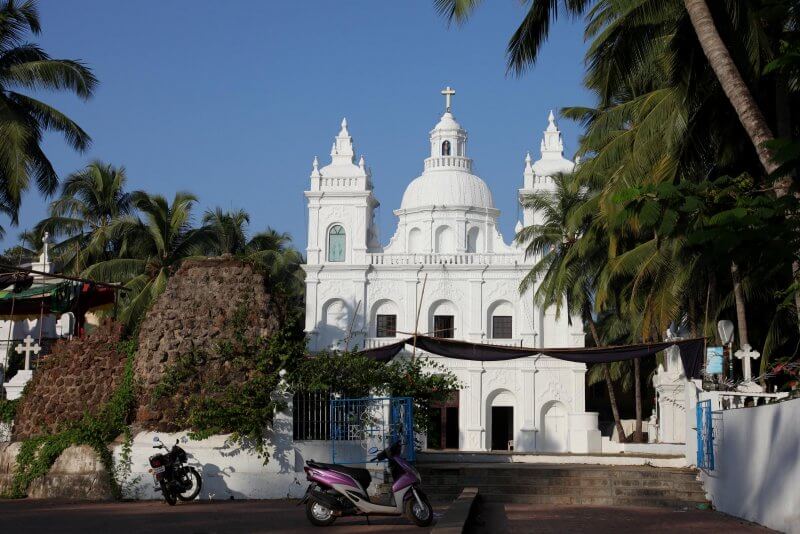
point(746, 353)
point(448, 93)
point(28, 347)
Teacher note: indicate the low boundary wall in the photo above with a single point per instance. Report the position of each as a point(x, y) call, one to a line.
point(757, 465)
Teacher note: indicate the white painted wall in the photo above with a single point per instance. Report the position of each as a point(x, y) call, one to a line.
point(757, 465)
point(230, 471)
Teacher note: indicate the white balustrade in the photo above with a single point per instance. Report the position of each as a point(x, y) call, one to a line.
point(727, 400)
point(445, 259)
point(458, 162)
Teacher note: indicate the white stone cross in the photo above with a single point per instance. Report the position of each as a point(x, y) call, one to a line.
point(746, 353)
point(28, 347)
point(447, 92)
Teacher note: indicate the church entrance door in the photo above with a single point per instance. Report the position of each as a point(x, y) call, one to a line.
point(443, 429)
point(502, 427)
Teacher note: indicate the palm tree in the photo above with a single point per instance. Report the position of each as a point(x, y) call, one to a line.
point(230, 230)
point(91, 200)
point(526, 42)
point(24, 119)
point(281, 264)
point(569, 259)
point(152, 249)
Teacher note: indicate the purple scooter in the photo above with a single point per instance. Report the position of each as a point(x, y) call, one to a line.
point(339, 490)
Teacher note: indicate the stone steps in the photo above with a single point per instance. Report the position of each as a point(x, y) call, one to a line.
point(568, 484)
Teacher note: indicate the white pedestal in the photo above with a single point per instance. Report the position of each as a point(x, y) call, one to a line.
point(17, 383)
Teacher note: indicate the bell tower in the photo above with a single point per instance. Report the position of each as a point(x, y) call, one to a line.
point(341, 207)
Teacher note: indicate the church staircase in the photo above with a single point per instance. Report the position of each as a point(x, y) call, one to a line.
point(607, 485)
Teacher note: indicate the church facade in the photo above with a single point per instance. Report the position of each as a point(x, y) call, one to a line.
point(448, 272)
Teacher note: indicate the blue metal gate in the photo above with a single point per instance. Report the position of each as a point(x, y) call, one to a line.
point(359, 426)
point(705, 436)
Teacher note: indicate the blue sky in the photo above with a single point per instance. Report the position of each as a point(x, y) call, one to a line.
point(232, 100)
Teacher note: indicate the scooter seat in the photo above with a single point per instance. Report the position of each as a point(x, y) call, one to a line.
point(359, 474)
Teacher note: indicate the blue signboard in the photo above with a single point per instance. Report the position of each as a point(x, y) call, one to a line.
point(714, 360)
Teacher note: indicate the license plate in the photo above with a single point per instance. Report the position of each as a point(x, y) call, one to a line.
point(158, 470)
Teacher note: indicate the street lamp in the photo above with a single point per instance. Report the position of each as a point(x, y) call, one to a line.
point(725, 330)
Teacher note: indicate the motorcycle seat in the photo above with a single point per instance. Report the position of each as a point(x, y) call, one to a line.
point(359, 474)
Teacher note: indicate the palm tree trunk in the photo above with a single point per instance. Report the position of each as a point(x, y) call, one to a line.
point(738, 296)
point(637, 369)
point(612, 397)
point(731, 80)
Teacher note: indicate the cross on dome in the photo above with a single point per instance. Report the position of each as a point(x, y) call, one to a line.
point(448, 93)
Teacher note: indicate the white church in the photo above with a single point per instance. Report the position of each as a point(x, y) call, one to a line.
point(447, 272)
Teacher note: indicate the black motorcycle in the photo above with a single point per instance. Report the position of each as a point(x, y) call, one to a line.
point(173, 478)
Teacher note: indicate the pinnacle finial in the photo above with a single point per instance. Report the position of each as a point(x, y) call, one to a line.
point(315, 164)
point(344, 131)
point(551, 117)
point(528, 157)
point(361, 162)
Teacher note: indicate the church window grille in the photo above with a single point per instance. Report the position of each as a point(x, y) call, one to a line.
point(386, 325)
point(446, 148)
point(501, 327)
point(336, 243)
point(444, 326)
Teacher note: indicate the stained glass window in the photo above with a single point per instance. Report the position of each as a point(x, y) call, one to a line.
point(336, 243)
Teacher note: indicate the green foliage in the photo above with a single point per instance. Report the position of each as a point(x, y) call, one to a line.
point(8, 410)
point(25, 120)
point(38, 454)
point(354, 375)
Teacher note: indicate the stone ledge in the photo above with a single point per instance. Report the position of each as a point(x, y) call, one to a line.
point(455, 518)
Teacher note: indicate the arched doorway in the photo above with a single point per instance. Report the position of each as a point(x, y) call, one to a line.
point(554, 428)
point(500, 420)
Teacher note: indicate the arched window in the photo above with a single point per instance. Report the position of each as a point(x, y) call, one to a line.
point(336, 243)
point(446, 148)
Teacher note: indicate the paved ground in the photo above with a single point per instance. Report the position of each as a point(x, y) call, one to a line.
point(193, 518)
point(284, 517)
point(518, 518)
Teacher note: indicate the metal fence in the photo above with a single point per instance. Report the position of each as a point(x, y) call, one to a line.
point(705, 436)
point(359, 427)
point(311, 416)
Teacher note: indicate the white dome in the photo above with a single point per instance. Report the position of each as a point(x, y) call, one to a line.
point(447, 188)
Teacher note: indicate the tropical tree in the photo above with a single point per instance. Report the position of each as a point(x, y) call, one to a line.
point(24, 119)
point(567, 262)
point(281, 264)
point(229, 229)
point(153, 246)
point(91, 200)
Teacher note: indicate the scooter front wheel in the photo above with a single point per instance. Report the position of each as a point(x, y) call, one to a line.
point(318, 514)
point(420, 514)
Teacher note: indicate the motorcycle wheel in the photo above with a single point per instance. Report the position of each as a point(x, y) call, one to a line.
point(318, 514)
point(192, 476)
point(168, 495)
point(422, 516)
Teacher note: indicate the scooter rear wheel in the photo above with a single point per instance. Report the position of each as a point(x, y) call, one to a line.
point(318, 514)
point(420, 515)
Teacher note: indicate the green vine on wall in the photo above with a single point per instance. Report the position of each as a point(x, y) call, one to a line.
point(8, 409)
point(232, 388)
point(37, 455)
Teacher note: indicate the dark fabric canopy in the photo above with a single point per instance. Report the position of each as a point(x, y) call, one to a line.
point(692, 352)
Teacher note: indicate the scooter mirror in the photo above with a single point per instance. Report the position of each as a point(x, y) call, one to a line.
point(156, 439)
point(373, 450)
